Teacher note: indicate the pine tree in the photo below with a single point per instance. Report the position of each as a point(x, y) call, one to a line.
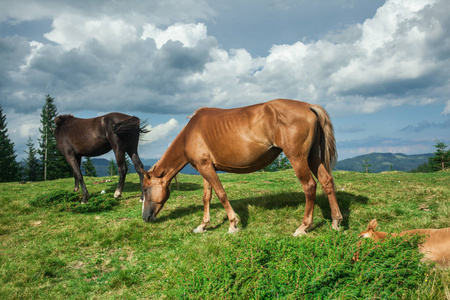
point(441, 158)
point(112, 168)
point(89, 168)
point(9, 168)
point(54, 164)
point(32, 166)
point(279, 164)
point(366, 166)
point(128, 163)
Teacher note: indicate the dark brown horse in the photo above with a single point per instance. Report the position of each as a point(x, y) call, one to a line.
point(92, 137)
point(244, 140)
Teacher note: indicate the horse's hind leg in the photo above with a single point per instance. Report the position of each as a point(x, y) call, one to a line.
point(207, 195)
point(138, 166)
point(303, 173)
point(327, 182)
point(122, 167)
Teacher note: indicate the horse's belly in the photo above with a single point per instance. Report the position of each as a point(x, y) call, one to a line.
point(240, 163)
point(88, 151)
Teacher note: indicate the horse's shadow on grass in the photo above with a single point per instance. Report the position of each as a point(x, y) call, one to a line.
point(274, 201)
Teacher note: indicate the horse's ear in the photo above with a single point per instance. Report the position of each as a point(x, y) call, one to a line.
point(373, 225)
point(146, 174)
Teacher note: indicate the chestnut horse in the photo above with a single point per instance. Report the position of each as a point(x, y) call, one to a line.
point(244, 140)
point(436, 246)
point(93, 137)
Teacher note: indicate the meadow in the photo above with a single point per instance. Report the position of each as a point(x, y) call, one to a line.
point(51, 250)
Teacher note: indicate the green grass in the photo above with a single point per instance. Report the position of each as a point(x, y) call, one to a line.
point(50, 252)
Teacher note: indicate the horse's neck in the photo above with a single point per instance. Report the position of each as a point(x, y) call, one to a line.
point(172, 161)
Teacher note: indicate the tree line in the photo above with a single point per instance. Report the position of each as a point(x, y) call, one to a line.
point(45, 162)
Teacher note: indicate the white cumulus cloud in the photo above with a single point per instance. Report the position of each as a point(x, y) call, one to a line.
point(160, 131)
point(447, 108)
point(188, 34)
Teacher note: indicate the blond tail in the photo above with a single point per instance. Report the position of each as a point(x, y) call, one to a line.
point(328, 152)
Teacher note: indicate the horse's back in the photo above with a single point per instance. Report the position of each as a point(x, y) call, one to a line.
point(248, 138)
point(269, 112)
point(87, 137)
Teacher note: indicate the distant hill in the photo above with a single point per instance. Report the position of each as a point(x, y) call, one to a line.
point(381, 162)
point(188, 169)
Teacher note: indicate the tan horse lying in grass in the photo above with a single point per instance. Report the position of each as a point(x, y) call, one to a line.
point(244, 140)
point(436, 246)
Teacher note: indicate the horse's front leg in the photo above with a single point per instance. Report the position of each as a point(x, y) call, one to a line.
point(77, 180)
point(207, 195)
point(139, 167)
point(77, 183)
point(209, 174)
point(74, 162)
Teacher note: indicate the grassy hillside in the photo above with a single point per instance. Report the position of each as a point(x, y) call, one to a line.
point(53, 253)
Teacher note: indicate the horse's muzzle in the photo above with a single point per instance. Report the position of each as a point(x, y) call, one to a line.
point(149, 215)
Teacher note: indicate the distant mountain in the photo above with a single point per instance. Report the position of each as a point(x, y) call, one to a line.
point(381, 162)
point(188, 169)
point(101, 166)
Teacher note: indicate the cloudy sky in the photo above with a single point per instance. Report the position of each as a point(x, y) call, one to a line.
point(380, 68)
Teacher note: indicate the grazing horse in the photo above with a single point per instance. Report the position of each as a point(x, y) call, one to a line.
point(244, 140)
point(436, 246)
point(92, 137)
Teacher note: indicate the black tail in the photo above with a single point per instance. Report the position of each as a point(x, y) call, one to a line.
point(132, 126)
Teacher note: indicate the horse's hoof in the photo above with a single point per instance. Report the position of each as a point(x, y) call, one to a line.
point(299, 232)
point(337, 228)
point(199, 230)
point(335, 225)
point(233, 230)
point(117, 194)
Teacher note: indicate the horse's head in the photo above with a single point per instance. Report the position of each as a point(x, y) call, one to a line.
point(371, 233)
point(156, 193)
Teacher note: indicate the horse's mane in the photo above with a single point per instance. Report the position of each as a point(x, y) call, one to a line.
point(195, 112)
point(59, 120)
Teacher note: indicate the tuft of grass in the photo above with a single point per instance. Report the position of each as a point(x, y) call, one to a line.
point(71, 202)
point(307, 268)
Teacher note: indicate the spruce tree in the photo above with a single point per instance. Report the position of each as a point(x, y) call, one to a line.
point(441, 158)
point(279, 164)
point(9, 168)
point(54, 165)
point(366, 166)
point(89, 168)
point(112, 168)
point(32, 166)
point(128, 164)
